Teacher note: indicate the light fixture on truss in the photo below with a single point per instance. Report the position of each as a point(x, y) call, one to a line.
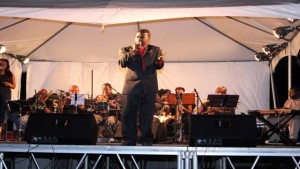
point(261, 56)
point(2, 48)
point(21, 58)
point(273, 49)
point(283, 31)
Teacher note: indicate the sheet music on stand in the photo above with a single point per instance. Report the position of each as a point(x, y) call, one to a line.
point(77, 99)
point(215, 100)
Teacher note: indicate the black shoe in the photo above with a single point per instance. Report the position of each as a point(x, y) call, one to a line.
point(128, 143)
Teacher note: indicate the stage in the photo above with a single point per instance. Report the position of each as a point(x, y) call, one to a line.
point(180, 156)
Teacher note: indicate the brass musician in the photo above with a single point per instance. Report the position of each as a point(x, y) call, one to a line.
point(108, 97)
point(182, 108)
point(66, 106)
point(108, 106)
point(39, 102)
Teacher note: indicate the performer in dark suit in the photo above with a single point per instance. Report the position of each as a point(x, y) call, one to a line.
point(140, 87)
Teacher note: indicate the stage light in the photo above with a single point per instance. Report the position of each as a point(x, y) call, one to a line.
point(292, 20)
point(273, 49)
point(261, 56)
point(22, 59)
point(2, 48)
point(282, 31)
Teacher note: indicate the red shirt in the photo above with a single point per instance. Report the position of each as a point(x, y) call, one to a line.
point(142, 53)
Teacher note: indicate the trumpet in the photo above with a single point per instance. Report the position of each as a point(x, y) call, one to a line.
point(102, 98)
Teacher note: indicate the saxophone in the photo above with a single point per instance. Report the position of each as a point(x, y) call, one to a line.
point(179, 110)
point(178, 123)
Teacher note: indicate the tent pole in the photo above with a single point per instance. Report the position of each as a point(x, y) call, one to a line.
point(272, 87)
point(290, 66)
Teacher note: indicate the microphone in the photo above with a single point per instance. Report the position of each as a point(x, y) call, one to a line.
point(115, 90)
point(138, 45)
point(75, 96)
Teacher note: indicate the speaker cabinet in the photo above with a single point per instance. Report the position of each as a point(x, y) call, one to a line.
point(61, 129)
point(223, 130)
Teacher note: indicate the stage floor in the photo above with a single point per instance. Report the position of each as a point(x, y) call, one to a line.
point(180, 155)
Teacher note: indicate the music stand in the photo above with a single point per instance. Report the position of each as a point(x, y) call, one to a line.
point(187, 98)
point(215, 100)
point(77, 99)
point(18, 106)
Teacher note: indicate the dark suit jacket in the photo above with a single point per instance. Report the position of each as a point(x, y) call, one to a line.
point(135, 76)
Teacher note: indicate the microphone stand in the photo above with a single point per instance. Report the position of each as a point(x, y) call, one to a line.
point(92, 105)
point(19, 128)
point(199, 100)
point(35, 101)
point(75, 103)
point(117, 113)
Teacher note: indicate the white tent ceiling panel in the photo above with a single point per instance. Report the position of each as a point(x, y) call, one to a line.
point(24, 37)
point(86, 43)
point(194, 41)
point(125, 15)
point(188, 37)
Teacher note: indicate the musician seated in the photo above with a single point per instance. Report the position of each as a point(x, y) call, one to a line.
point(39, 102)
point(182, 111)
point(67, 107)
point(293, 102)
point(203, 109)
point(160, 118)
point(108, 100)
point(163, 110)
point(108, 108)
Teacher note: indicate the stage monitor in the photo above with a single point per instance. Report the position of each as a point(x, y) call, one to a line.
point(76, 129)
point(223, 131)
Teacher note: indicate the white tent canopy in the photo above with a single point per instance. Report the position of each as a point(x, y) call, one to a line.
point(207, 43)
